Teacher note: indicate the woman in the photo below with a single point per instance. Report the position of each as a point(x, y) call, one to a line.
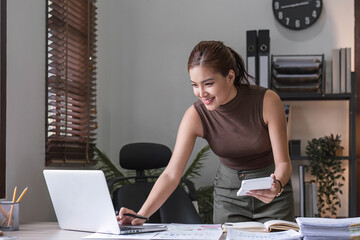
point(245, 126)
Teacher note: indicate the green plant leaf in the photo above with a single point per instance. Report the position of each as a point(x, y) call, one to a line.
point(104, 164)
point(205, 202)
point(327, 171)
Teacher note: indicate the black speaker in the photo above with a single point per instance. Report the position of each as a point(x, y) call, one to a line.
point(294, 148)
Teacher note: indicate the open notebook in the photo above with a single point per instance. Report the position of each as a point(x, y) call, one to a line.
point(82, 202)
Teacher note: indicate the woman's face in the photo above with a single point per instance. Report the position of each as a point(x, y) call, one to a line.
point(212, 88)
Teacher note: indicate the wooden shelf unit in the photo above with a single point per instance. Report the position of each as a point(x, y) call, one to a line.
point(351, 97)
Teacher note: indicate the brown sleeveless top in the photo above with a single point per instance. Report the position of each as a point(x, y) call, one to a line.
point(236, 131)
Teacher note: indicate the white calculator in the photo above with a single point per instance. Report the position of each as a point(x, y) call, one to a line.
point(255, 184)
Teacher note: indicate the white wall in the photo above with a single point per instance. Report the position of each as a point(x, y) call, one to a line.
point(143, 85)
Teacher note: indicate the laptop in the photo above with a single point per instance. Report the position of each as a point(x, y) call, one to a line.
point(82, 202)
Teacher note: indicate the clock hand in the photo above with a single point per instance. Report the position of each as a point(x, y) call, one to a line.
point(296, 4)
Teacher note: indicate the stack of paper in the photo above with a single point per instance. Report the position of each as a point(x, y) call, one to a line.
point(355, 231)
point(234, 234)
point(325, 228)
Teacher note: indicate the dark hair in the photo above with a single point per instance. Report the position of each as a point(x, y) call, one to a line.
point(220, 58)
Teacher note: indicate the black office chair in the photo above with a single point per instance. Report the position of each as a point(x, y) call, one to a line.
point(178, 208)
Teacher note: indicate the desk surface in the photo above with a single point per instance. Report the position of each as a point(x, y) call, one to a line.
point(45, 230)
point(49, 231)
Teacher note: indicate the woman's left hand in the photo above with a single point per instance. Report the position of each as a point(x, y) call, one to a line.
point(266, 195)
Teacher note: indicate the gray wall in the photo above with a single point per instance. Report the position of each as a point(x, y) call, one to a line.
point(143, 50)
point(143, 85)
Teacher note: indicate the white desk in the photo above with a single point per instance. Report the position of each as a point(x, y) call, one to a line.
point(49, 231)
point(45, 230)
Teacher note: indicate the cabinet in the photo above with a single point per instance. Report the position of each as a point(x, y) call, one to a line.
point(350, 97)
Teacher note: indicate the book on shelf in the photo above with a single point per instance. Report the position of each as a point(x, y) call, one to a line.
point(340, 71)
point(348, 70)
point(268, 226)
point(335, 71)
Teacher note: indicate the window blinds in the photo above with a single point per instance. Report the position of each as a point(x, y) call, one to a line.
point(71, 82)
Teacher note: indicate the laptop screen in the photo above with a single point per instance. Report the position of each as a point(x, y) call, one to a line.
point(82, 202)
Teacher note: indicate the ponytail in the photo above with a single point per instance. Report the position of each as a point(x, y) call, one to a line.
point(241, 75)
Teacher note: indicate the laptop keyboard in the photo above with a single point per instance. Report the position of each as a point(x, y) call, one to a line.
point(126, 229)
point(131, 229)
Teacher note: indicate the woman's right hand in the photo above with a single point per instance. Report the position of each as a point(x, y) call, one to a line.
point(127, 220)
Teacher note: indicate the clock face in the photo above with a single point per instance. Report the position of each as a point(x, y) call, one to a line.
point(296, 14)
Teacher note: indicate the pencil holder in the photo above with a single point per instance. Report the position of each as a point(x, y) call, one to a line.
point(9, 216)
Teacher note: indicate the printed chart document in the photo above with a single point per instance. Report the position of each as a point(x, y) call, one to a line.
point(191, 231)
point(175, 231)
point(268, 226)
point(234, 234)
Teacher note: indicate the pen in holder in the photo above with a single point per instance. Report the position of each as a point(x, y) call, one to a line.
point(9, 212)
point(9, 216)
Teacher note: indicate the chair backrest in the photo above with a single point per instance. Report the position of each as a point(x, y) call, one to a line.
point(142, 156)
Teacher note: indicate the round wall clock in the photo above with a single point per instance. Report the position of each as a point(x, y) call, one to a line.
point(295, 14)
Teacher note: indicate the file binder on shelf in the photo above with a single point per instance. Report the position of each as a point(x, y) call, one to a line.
point(252, 55)
point(298, 73)
point(264, 51)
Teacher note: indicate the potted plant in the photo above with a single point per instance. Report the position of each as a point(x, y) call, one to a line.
point(327, 170)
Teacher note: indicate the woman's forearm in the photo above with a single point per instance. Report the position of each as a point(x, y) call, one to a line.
point(283, 172)
point(162, 189)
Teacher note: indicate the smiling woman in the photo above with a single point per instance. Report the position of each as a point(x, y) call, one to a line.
point(2, 97)
point(245, 127)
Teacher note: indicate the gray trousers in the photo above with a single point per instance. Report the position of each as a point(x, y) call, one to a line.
point(230, 208)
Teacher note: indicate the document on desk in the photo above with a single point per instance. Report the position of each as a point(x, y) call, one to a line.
point(175, 231)
point(234, 234)
point(97, 236)
point(191, 231)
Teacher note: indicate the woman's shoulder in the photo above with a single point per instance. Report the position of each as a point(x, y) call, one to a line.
point(191, 109)
point(191, 113)
point(271, 95)
point(272, 105)
point(192, 120)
